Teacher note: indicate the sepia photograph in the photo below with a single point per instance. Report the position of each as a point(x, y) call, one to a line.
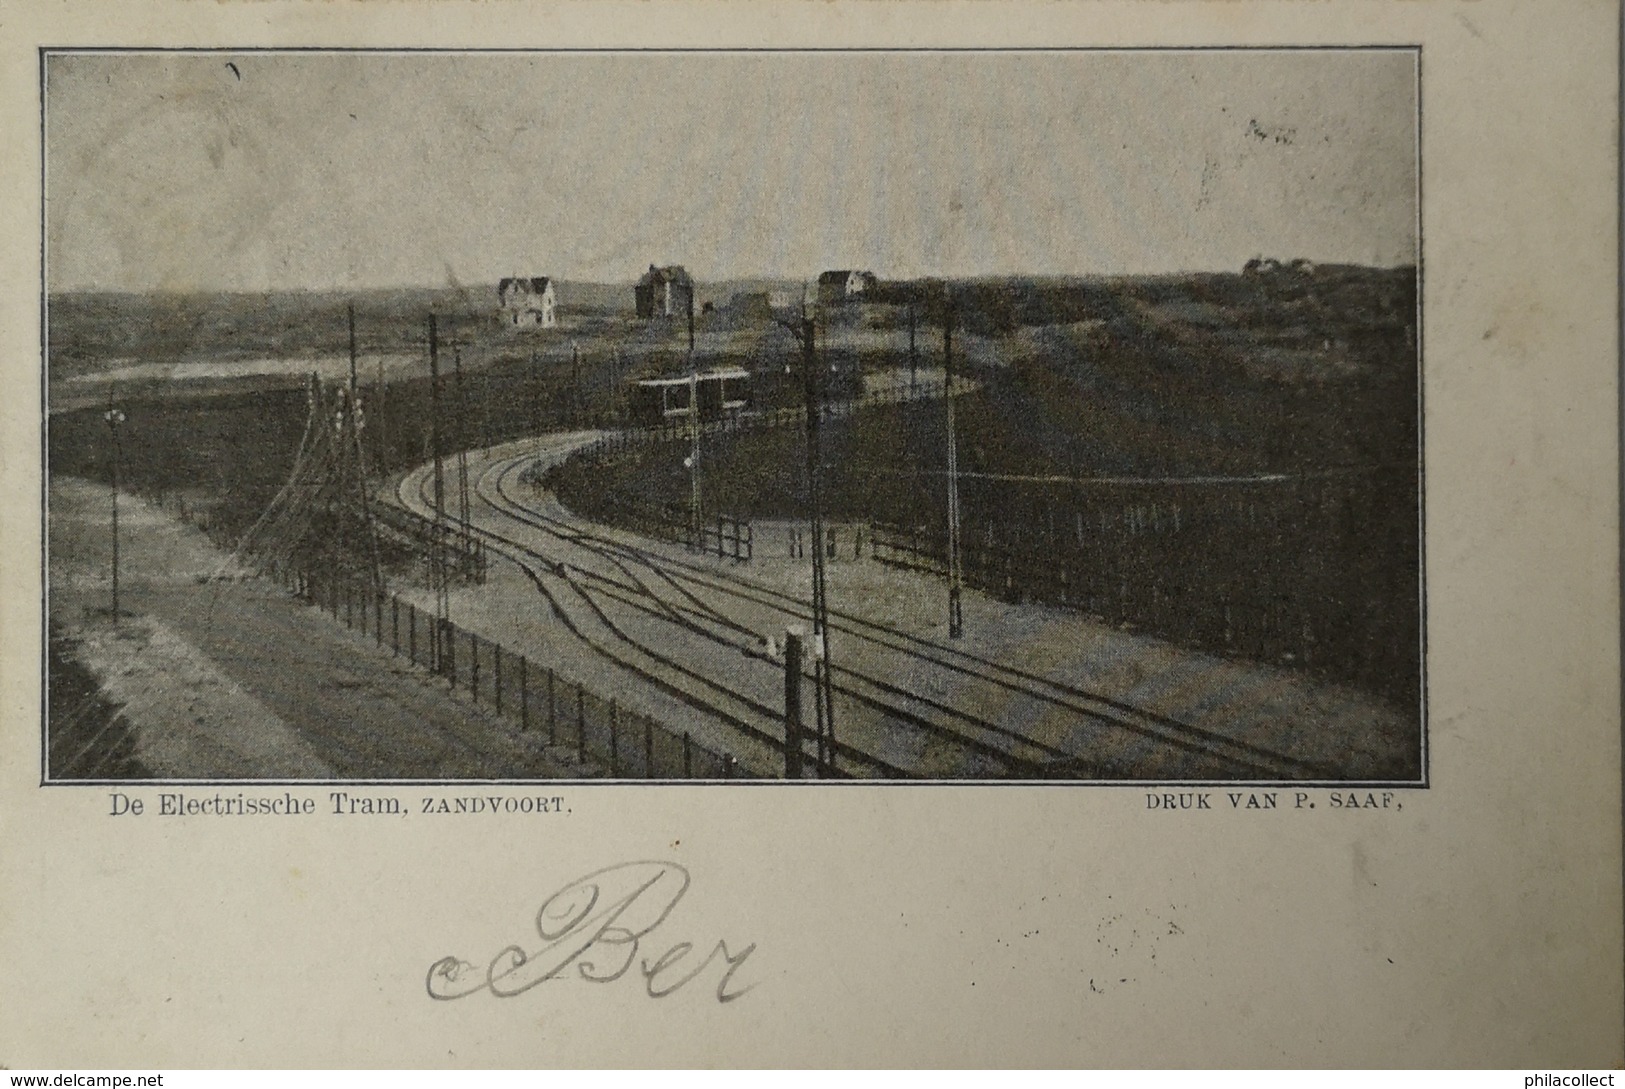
point(888, 415)
point(817, 534)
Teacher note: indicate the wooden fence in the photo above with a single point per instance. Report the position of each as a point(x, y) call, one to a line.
point(1291, 572)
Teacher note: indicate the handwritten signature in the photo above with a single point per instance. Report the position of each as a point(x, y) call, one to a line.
point(597, 924)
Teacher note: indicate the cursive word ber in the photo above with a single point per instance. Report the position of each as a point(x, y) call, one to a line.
point(597, 925)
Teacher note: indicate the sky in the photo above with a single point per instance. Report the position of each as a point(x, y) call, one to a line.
point(279, 171)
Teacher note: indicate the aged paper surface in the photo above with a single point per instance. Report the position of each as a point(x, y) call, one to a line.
point(1292, 864)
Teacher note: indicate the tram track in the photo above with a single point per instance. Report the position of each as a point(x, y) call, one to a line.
point(1015, 753)
point(1234, 754)
point(739, 712)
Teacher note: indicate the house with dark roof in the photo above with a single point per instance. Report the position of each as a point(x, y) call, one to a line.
point(527, 301)
point(665, 292)
point(844, 285)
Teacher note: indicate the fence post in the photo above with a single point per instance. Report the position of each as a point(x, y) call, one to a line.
point(552, 710)
point(688, 756)
point(474, 666)
point(727, 766)
point(524, 693)
point(395, 624)
point(412, 633)
point(496, 675)
point(792, 704)
point(449, 642)
point(581, 725)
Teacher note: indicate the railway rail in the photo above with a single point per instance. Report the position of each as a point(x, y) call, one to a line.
point(602, 574)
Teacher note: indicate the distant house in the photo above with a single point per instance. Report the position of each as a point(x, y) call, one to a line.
point(665, 292)
point(844, 285)
point(528, 301)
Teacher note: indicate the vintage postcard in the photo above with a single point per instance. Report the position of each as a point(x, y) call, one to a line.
point(876, 534)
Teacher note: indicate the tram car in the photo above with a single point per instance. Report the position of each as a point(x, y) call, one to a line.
point(655, 401)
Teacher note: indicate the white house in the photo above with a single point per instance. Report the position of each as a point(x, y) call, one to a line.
point(527, 301)
point(842, 285)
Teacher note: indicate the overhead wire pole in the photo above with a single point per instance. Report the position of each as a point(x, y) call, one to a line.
point(575, 385)
point(956, 619)
point(114, 418)
point(350, 309)
point(343, 419)
point(383, 424)
point(437, 558)
point(462, 436)
point(357, 422)
point(823, 693)
point(694, 523)
point(337, 489)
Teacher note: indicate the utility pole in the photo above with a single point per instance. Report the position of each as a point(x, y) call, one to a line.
point(358, 423)
point(695, 525)
point(338, 490)
point(114, 418)
point(434, 421)
point(437, 559)
point(462, 436)
point(823, 695)
point(538, 419)
point(617, 369)
point(956, 619)
point(351, 311)
point(575, 384)
point(352, 406)
point(383, 429)
point(792, 703)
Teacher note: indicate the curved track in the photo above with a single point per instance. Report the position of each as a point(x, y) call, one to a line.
point(661, 601)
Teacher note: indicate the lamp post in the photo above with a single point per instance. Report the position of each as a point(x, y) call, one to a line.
point(114, 418)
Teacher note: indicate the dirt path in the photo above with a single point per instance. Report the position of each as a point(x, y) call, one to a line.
point(233, 678)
